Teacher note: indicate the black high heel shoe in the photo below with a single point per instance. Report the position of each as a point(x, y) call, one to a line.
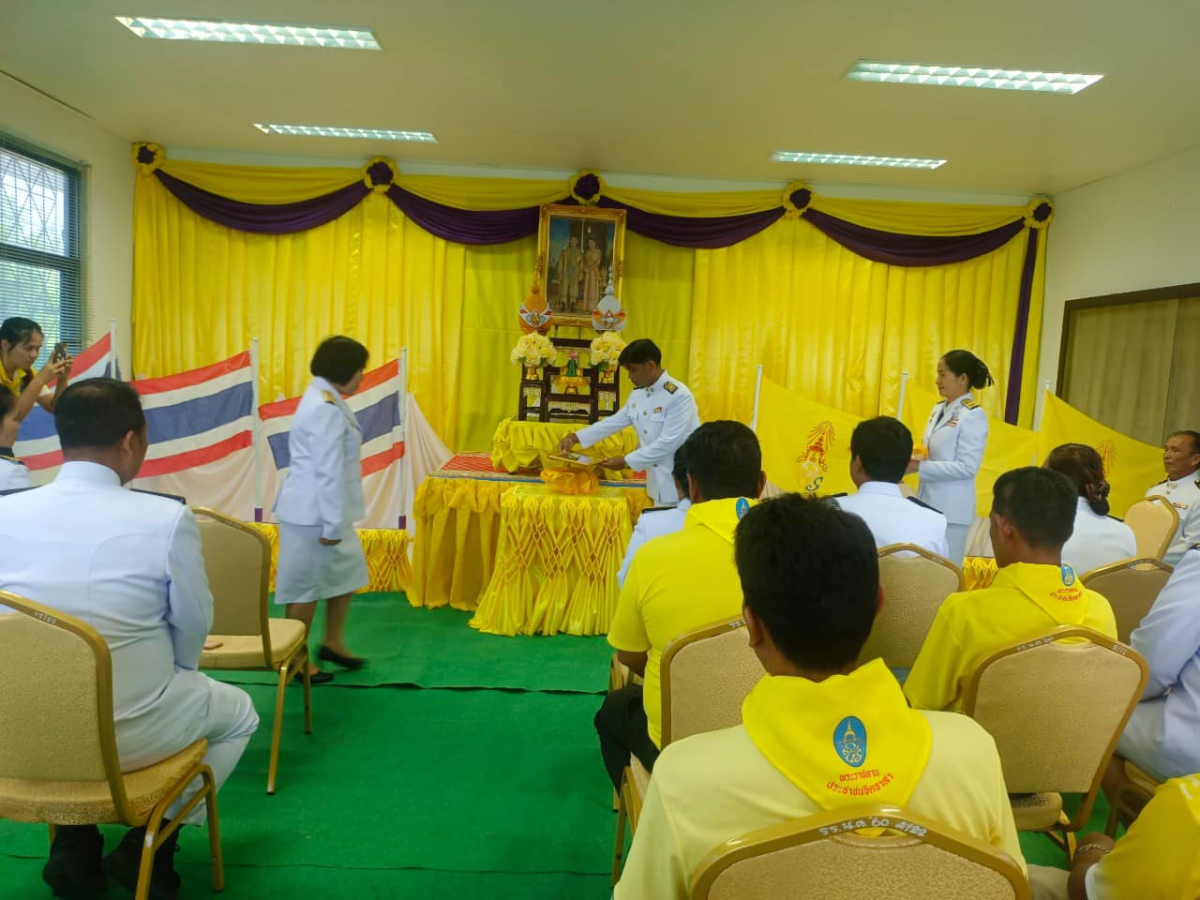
point(346, 662)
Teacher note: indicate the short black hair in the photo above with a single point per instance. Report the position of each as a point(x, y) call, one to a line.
point(1194, 435)
point(964, 362)
point(97, 412)
point(679, 467)
point(884, 447)
point(1039, 502)
point(810, 573)
point(643, 350)
point(338, 358)
point(724, 459)
point(18, 330)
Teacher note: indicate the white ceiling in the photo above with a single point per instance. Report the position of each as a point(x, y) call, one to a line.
point(692, 88)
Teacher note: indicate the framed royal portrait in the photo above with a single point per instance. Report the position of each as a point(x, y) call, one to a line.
point(578, 246)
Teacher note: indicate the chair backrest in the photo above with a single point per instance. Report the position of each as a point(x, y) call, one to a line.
point(1154, 522)
point(56, 700)
point(915, 582)
point(1131, 587)
point(827, 857)
point(237, 559)
point(706, 674)
point(1056, 706)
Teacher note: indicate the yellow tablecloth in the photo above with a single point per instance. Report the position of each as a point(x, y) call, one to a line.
point(978, 571)
point(457, 523)
point(386, 550)
point(557, 560)
point(525, 445)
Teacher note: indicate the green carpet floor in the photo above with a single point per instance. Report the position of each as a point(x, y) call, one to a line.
point(403, 791)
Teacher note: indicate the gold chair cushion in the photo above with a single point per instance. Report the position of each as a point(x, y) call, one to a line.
point(1037, 812)
point(245, 651)
point(90, 802)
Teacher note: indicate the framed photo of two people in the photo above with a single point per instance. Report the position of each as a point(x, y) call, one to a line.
point(578, 246)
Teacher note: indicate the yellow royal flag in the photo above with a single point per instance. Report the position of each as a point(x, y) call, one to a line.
point(805, 446)
point(1008, 447)
point(1129, 465)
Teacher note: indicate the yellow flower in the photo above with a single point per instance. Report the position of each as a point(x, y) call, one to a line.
point(606, 350)
point(533, 350)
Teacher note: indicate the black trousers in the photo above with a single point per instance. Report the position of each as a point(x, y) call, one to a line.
point(621, 725)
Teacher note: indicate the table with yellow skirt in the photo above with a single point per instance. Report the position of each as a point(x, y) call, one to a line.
point(520, 445)
point(978, 572)
point(386, 550)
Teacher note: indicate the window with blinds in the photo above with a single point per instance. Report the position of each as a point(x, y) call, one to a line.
point(41, 265)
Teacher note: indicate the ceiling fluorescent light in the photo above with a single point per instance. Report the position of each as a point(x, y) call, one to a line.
point(971, 77)
point(845, 159)
point(375, 134)
point(250, 33)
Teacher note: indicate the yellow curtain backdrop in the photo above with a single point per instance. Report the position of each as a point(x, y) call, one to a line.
point(824, 322)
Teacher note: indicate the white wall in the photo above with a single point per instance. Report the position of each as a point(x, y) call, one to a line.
point(1128, 232)
point(39, 120)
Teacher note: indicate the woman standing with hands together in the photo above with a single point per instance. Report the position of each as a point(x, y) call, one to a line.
point(320, 555)
point(954, 441)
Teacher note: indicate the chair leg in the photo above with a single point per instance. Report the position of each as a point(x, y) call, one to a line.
point(307, 693)
point(145, 870)
point(619, 844)
point(50, 826)
point(214, 832)
point(277, 728)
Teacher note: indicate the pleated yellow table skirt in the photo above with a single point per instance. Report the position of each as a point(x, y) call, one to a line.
point(525, 445)
point(557, 560)
point(386, 550)
point(978, 571)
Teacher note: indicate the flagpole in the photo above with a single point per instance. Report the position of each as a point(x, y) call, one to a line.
point(112, 348)
point(255, 431)
point(757, 393)
point(903, 388)
point(402, 401)
point(1041, 407)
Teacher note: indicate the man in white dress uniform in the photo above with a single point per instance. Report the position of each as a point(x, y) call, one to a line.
point(880, 451)
point(661, 410)
point(660, 520)
point(130, 565)
point(1181, 459)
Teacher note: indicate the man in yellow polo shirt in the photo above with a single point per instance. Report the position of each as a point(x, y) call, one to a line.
point(677, 583)
point(1033, 515)
point(819, 733)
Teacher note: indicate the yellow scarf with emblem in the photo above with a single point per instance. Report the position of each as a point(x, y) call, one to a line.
point(845, 740)
point(721, 516)
point(13, 384)
point(1055, 589)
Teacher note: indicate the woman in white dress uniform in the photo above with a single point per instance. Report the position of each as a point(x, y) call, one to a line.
point(320, 555)
point(954, 440)
point(13, 474)
point(1098, 539)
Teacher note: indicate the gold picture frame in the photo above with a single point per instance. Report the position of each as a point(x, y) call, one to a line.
point(577, 245)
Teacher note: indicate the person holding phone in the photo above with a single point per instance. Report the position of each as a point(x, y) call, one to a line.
point(320, 554)
point(20, 345)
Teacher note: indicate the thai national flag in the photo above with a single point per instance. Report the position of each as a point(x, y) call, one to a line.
point(198, 417)
point(37, 442)
point(377, 408)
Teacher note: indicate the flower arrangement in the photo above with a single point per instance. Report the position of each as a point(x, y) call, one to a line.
point(606, 350)
point(533, 350)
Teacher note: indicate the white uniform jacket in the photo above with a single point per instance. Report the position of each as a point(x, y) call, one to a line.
point(954, 441)
point(653, 523)
point(1097, 540)
point(1169, 639)
point(1184, 495)
point(895, 519)
point(14, 475)
point(127, 563)
point(324, 480)
point(664, 416)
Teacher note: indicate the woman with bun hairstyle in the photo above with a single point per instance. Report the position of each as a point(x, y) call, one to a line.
point(954, 440)
point(1098, 538)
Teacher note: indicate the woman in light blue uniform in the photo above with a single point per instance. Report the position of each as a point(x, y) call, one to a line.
point(320, 554)
point(954, 440)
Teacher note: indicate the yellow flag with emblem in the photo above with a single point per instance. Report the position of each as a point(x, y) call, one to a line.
point(805, 445)
point(1008, 447)
point(1129, 465)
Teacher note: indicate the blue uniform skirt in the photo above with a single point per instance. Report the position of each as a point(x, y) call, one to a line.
point(310, 571)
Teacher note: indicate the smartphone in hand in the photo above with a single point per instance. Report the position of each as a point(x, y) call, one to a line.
point(59, 352)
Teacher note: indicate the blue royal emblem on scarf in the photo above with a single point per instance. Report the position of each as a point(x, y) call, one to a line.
point(742, 507)
point(1068, 575)
point(850, 741)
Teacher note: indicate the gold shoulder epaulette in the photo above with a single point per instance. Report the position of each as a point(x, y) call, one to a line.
point(970, 404)
point(671, 387)
point(328, 397)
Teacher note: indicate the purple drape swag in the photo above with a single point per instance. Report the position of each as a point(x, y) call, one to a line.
point(481, 227)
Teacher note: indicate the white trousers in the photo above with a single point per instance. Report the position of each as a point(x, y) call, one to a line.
point(192, 707)
point(956, 538)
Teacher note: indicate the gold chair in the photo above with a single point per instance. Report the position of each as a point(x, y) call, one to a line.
point(1135, 792)
point(1056, 706)
point(826, 857)
point(1154, 522)
point(1131, 587)
point(915, 583)
point(58, 746)
point(705, 674)
point(237, 559)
